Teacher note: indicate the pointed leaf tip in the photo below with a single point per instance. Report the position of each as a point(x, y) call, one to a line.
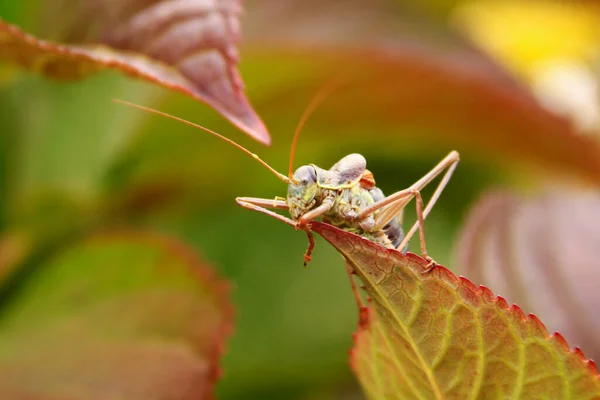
point(437, 336)
point(188, 46)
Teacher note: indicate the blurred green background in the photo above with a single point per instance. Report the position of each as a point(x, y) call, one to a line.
point(71, 160)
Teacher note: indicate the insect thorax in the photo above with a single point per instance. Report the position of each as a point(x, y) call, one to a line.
point(314, 186)
point(349, 202)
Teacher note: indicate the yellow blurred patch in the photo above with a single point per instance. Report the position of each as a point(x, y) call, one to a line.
point(524, 34)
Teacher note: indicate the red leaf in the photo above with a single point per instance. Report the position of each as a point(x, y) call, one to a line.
point(410, 82)
point(183, 45)
point(541, 252)
point(436, 336)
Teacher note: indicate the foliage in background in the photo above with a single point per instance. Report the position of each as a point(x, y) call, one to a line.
point(72, 163)
point(186, 46)
point(91, 314)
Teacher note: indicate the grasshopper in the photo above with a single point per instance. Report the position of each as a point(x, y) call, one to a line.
point(344, 195)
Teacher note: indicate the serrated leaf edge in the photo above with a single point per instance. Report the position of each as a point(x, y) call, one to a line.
point(534, 325)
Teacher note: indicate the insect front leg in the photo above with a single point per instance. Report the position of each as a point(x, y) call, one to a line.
point(317, 212)
point(311, 247)
point(257, 204)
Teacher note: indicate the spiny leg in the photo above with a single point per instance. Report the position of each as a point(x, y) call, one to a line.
point(357, 296)
point(311, 247)
point(421, 226)
point(259, 205)
point(277, 202)
point(422, 214)
point(304, 224)
point(395, 203)
point(362, 308)
point(450, 162)
point(425, 212)
point(391, 211)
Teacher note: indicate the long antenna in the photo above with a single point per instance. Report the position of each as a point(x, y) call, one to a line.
point(319, 97)
point(153, 111)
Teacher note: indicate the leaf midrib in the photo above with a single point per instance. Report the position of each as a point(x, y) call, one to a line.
point(385, 302)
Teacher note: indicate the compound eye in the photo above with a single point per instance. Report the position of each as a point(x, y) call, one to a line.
point(305, 175)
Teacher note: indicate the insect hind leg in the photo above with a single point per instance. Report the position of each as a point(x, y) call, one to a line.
point(363, 312)
point(392, 205)
point(422, 214)
point(431, 264)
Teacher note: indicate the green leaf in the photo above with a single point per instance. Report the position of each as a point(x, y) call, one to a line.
point(436, 336)
point(120, 315)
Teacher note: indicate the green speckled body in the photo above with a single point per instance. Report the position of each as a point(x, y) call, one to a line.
point(349, 202)
point(342, 189)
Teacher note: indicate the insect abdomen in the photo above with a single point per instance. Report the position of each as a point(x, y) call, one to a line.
point(393, 230)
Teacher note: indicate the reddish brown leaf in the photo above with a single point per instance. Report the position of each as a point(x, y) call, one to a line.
point(541, 252)
point(406, 86)
point(184, 45)
point(436, 336)
point(122, 315)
